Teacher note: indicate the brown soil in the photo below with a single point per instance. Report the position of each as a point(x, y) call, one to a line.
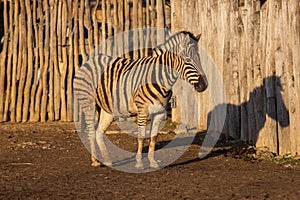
point(49, 161)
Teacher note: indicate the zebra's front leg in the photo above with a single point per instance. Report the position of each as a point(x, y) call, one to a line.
point(95, 161)
point(90, 130)
point(156, 121)
point(141, 137)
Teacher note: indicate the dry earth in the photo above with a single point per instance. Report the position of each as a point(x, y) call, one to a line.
point(49, 161)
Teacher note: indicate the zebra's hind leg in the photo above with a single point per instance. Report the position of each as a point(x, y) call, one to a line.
point(105, 121)
point(141, 137)
point(156, 121)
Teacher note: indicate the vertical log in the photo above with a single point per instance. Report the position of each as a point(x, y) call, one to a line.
point(23, 61)
point(3, 60)
point(148, 25)
point(29, 63)
point(81, 30)
point(59, 30)
point(33, 92)
point(103, 26)
point(249, 25)
point(140, 26)
point(268, 136)
point(153, 19)
point(160, 20)
point(15, 63)
point(76, 53)
point(134, 27)
point(126, 28)
point(244, 96)
point(55, 64)
point(70, 66)
point(231, 62)
point(63, 65)
point(54, 93)
point(40, 78)
point(9, 60)
point(280, 79)
point(116, 44)
point(121, 27)
point(88, 25)
point(292, 56)
point(95, 26)
point(46, 90)
point(109, 26)
point(258, 91)
point(76, 39)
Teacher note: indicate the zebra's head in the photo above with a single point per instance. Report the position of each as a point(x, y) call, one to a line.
point(192, 70)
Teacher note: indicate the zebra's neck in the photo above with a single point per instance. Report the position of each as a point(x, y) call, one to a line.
point(172, 45)
point(173, 65)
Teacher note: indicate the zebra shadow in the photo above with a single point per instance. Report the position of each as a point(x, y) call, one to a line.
point(243, 123)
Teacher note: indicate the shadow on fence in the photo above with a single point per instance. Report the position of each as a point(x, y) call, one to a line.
point(264, 101)
point(261, 103)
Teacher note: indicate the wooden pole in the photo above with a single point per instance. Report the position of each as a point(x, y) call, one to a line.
point(15, 64)
point(109, 26)
point(29, 65)
point(9, 60)
point(81, 30)
point(41, 77)
point(33, 114)
point(121, 26)
point(23, 62)
point(135, 26)
point(3, 60)
point(160, 20)
point(45, 96)
point(140, 26)
point(70, 43)
point(88, 26)
point(148, 25)
point(63, 65)
point(116, 45)
point(126, 28)
point(76, 54)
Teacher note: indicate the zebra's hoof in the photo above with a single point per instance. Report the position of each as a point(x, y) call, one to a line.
point(154, 165)
point(95, 164)
point(139, 166)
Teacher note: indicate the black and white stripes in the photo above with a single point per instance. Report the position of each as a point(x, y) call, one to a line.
point(122, 86)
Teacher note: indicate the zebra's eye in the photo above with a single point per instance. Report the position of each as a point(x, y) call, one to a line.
point(188, 60)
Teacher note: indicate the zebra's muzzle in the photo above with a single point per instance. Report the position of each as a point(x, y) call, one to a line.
point(201, 85)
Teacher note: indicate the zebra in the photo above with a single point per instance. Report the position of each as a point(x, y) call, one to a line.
point(139, 86)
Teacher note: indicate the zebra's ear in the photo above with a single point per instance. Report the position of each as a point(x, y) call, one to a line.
point(198, 37)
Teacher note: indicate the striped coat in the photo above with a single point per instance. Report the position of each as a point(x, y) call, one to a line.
point(122, 86)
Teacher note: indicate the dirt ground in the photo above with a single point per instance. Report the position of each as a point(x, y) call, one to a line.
point(49, 161)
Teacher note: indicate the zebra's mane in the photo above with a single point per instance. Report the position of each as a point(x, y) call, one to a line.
point(191, 35)
point(172, 42)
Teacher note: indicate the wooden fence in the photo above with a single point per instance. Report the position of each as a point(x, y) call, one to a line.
point(45, 42)
point(253, 45)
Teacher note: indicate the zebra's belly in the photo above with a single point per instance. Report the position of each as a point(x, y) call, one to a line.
point(123, 107)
